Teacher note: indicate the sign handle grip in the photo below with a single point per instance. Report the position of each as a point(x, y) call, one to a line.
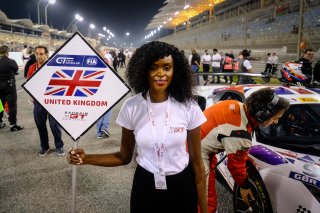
point(74, 183)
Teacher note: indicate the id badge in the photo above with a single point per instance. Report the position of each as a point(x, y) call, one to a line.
point(160, 180)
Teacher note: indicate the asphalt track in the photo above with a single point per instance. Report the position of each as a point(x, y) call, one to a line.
point(29, 183)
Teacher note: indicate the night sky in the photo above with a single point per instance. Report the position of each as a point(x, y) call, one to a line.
point(120, 16)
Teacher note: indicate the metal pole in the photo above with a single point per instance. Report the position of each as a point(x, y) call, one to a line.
point(38, 5)
point(70, 26)
point(45, 13)
point(245, 31)
point(301, 11)
point(74, 27)
point(245, 26)
point(74, 183)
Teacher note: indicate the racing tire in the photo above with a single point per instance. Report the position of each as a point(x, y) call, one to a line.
point(262, 203)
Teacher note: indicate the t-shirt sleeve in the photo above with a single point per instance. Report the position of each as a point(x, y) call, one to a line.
point(124, 117)
point(196, 116)
point(247, 64)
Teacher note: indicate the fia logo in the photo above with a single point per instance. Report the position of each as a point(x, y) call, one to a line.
point(91, 61)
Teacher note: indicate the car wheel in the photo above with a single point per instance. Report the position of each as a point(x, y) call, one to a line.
point(262, 203)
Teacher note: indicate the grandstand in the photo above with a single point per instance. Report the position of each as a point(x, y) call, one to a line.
point(261, 25)
point(18, 32)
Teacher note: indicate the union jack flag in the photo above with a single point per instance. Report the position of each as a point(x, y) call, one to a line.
point(80, 83)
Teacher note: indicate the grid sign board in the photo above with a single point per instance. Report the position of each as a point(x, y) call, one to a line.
point(76, 86)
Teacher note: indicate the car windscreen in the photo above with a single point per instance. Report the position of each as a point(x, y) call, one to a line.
point(298, 129)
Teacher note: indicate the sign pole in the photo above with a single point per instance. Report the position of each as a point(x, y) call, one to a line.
point(74, 183)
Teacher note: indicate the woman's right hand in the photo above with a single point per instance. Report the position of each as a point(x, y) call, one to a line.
point(76, 156)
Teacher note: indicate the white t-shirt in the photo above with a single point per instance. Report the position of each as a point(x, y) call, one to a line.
point(269, 60)
point(189, 59)
point(274, 59)
point(205, 59)
point(216, 58)
point(25, 54)
point(110, 58)
point(134, 116)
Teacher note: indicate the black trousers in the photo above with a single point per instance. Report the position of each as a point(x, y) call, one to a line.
point(274, 68)
point(206, 68)
point(268, 68)
point(8, 93)
point(180, 196)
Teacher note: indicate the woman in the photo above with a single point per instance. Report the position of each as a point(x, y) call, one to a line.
point(163, 120)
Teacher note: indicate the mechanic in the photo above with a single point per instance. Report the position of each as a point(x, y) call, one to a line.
point(229, 127)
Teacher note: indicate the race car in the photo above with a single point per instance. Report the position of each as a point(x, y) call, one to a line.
point(284, 160)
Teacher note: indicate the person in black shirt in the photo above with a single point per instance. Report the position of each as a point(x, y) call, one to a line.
point(195, 63)
point(115, 60)
point(32, 59)
point(306, 61)
point(8, 91)
point(316, 73)
point(121, 59)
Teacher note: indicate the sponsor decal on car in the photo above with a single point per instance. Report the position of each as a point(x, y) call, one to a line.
point(283, 91)
point(293, 100)
point(306, 158)
point(301, 209)
point(316, 90)
point(288, 153)
point(307, 100)
point(304, 178)
point(302, 91)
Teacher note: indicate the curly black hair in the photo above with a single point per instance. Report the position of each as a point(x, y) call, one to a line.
point(261, 99)
point(141, 61)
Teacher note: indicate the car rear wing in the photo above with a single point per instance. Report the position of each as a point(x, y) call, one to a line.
point(262, 75)
point(265, 76)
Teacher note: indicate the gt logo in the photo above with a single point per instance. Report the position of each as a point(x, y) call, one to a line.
point(75, 116)
point(63, 60)
point(79, 116)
